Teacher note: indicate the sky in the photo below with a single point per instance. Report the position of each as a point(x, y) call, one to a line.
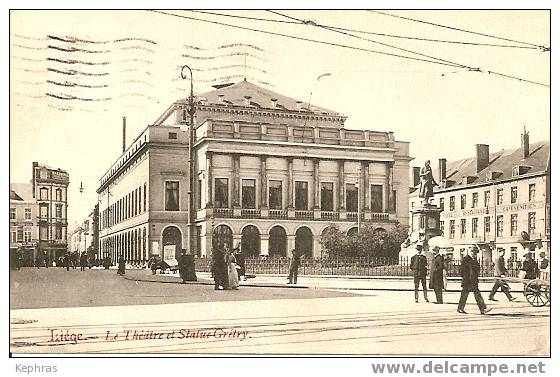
point(126, 63)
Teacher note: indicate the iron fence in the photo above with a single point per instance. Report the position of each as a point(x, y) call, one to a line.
point(353, 266)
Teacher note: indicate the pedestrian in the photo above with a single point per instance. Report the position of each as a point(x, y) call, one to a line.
point(83, 261)
point(436, 275)
point(186, 267)
point(499, 273)
point(544, 261)
point(232, 277)
point(153, 264)
point(530, 267)
point(122, 266)
point(219, 269)
point(67, 260)
point(240, 258)
point(419, 266)
point(470, 269)
point(295, 262)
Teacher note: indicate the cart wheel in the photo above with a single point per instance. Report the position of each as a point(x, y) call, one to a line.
point(537, 293)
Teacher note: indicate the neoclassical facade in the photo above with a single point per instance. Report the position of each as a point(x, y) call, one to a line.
point(269, 172)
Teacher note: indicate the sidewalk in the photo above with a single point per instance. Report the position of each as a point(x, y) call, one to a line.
point(317, 282)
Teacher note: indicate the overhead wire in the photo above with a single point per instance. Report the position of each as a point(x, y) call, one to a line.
point(542, 47)
point(369, 40)
point(459, 65)
point(374, 33)
point(472, 69)
point(303, 39)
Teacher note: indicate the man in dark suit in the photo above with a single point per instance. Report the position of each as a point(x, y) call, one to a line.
point(219, 269)
point(295, 261)
point(470, 269)
point(500, 272)
point(419, 266)
point(544, 261)
point(530, 266)
point(436, 275)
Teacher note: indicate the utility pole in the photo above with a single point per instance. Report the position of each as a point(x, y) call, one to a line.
point(191, 110)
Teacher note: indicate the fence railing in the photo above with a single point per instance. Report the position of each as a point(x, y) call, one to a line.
point(353, 266)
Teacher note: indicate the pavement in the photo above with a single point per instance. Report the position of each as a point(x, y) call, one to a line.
point(99, 312)
point(320, 282)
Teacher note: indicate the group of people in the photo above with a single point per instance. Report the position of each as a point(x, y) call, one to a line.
point(227, 267)
point(470, 271)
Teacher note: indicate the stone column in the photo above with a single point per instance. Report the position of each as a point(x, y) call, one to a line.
point(209, 178)
point(316, 184)
point(264, 244)
point(236, 239)
point(264, 183)
point(388, 187)
point(235, 198)
point(291, 243)
point(340, 186)
point(290, 182)
point(367, 189)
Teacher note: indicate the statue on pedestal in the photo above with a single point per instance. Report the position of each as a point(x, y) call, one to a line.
point(427, 183)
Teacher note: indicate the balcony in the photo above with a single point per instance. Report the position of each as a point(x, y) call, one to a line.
point(307, 215)
point(250, 213)
point(304, 215)
point(329, 215)
point(278, 213)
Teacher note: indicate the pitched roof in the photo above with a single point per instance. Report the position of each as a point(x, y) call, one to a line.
point(503, 161)
point(14, 196)
point(23, 191)
point(234, 94)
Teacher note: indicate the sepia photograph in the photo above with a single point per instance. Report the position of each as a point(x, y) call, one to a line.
point(249, 183)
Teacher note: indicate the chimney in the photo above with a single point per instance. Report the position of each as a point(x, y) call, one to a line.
point(482, 157)
point(247, 100)
point(273, 102)
point(298, 105)
point(525, 143)
point(220, 98)
point(442, 169)
point(415, 176)
point(123, 134)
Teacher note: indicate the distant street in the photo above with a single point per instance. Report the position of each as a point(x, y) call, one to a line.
point(100, 312)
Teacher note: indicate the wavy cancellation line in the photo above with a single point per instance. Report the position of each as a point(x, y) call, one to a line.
point(70, 84)
point(73, 72)
point(72, 39)
point(231, 45)
point(69, 97)
point(227, 67)
point(73, 61)
point(211, 57)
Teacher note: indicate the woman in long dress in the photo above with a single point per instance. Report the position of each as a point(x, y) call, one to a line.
point(233, 279)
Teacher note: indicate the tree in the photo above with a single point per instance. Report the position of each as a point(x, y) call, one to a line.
point(369, 242)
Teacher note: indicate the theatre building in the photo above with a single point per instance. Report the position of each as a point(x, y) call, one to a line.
point(489, 199)
point(269, 171)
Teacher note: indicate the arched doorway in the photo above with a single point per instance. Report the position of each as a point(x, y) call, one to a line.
point(277, 242)
point(304, 242)
point(172, 236)
point(222, 234)
point(251, 241)
point(352, 231)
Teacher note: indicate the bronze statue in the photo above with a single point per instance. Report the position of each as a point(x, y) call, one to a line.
point(427, 182)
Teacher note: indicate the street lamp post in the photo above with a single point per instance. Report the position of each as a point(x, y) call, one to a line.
point(191, 110)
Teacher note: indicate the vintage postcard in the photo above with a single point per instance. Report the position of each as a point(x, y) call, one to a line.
point(280, 182)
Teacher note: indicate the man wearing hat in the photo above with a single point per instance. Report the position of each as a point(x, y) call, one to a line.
point(419, 266)
point(530, 266)
point(500, 272)
point(436, 275)
point(470, 270)
point(544, 261)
